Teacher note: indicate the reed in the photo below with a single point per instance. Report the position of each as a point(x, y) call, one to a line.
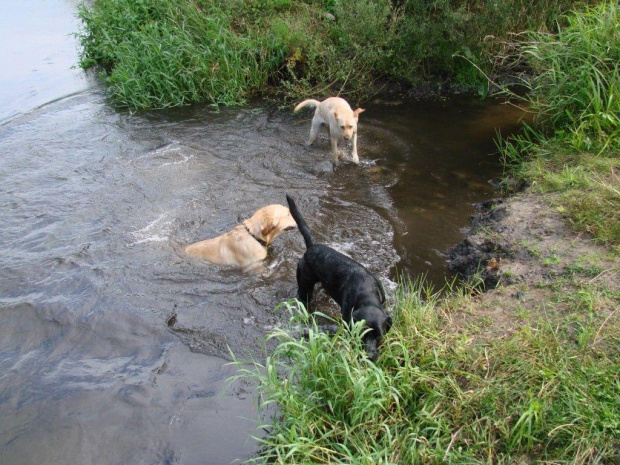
point(576, 88)
point(170, 53)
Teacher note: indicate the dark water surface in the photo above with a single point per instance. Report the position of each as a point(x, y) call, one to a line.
point(98, 204)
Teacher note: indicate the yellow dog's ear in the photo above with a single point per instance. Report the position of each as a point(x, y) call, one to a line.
point(267, 229)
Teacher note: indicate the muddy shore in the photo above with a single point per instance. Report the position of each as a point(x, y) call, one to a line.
point(517, 249)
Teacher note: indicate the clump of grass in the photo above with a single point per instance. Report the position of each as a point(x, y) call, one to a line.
point(585, 185)
point(574, 90)
point(345, 52)
point(160, 54)
point(434, 397)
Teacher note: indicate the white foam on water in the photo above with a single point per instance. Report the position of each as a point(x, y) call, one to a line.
point(174, 150)
point(157, 230)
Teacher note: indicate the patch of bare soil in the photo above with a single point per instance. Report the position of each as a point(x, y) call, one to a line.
point(522, 252)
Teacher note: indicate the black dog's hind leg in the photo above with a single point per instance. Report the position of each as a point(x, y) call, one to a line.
point(346, 308)
point(306, 280)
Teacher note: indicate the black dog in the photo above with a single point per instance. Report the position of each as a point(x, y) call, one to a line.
point(358, 292)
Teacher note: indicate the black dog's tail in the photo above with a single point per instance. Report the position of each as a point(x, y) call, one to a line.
point(301, 223)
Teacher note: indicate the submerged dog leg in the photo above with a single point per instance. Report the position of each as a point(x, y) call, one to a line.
point(354, 158)
point(314, 130)
point(334, 142)
point(306, 281)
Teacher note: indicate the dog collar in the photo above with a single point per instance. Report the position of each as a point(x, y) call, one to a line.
point(260, 241)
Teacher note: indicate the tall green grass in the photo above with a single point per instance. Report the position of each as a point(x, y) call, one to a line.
point(434, 397)
point(576, 87)
point(159, 53)
point(573, 147)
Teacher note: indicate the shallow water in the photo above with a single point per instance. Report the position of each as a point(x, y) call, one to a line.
point(97, 206)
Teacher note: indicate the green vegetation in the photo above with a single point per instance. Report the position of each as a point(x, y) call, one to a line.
point(161, 53)
point(573, 147)
point(549, 392)
point(585, 186)
point(576, 87)
point(158, 54)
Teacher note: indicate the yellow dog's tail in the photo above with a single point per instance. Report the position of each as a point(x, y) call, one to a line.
point(305, 103)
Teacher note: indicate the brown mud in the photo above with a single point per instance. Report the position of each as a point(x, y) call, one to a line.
point(521, 251)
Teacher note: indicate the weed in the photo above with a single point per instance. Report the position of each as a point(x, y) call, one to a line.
point(434, 397)
point(583, 270)
point(158, 53)
point(573, 146)
point(574, 92)
point(552, 259)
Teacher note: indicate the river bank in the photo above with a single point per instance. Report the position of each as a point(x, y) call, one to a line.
point(520, 365)
point(524, 253)
point(162, 54)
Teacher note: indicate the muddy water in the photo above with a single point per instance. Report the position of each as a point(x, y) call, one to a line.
point(434, 161)
point(97, 206)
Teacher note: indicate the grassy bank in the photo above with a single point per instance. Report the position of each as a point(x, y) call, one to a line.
point(525, 373)
point(548, 393)
point(573, 148)
point(161, 53)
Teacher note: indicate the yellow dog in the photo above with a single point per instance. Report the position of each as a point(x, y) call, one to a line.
point(246, 244)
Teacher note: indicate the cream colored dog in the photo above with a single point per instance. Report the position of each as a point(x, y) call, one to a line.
point(336, 113)
point(247, 243)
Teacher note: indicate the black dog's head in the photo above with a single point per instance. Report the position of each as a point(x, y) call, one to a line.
point(378, 323)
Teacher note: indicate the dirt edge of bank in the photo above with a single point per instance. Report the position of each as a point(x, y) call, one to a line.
point(522, 251)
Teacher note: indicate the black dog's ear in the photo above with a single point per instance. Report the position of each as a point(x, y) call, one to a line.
point(388, 323)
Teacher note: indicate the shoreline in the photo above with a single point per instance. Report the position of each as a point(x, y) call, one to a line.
point(518, 251)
